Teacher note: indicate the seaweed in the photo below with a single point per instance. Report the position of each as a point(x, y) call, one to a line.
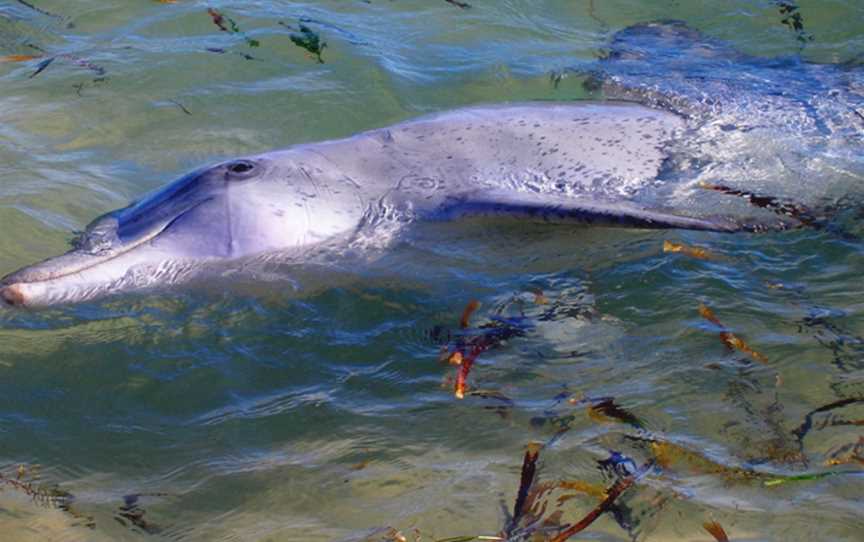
point(39, 10)
point(229, 25)
point(532, 518)
point(612, 494)
point(852, 453)
point(471, 343)
point(470, 308)
point(41, 66)
point(74, 59)
point(790, 209)
point(526, 482)
point(774, 442)
point(221, 51)
point(801, 431)
point(26, 480)
point(599, 409)
point(794, 20)
point(732, 341)
point(806, 477)
point(693, 252)
point(309, 40)
point(846, 347)
point(670, 456)
point(504, 406)
point(605, 407)
point(19, 58)
point(390, 534)
point(131, 513)
point(181, 106)
point(716, 530)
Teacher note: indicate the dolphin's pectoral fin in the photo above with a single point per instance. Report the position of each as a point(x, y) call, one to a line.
point(569, 210)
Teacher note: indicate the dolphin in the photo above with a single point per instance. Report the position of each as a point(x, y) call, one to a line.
point(572, 162)
point(782, 125)
point(683, 107)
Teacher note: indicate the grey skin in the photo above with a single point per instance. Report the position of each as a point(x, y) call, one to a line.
point(554, 162)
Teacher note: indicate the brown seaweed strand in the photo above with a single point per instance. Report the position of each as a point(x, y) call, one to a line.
point(612, 495)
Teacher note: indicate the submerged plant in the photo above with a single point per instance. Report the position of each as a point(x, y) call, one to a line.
point(26, 480)
point(794, 20)
point(308, 39)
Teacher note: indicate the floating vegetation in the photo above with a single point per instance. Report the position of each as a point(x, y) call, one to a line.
point(41, 67)
point(39, 10)
point(181, 107)
point(771, 440)
point(131, 514)
point(470, 343)
point(18, 58)
point(780, 207)
point(848, 454)
point(527, 477)
point(227, 24)
point(802, 430)
point(389, 534)
point(470, 308)
point(605, 409)
point(847, 348)
point(676, 458)
point(794, 20)
point(716, 530)
point(598, 409)
point(308, 39)
point(539, 297)
point(533, 517)
point(732, 341)
point(612, 493)
point(220, 51)
point(74, 59)
point(693, 252)
point(26, 480)
point(504, 406)
point(805, 477)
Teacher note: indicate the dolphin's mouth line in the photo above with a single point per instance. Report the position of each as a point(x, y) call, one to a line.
point(12, 279)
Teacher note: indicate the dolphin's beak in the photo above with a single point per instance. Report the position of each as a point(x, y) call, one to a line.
point(124, 249)
point(18, 289)
point(74, 276)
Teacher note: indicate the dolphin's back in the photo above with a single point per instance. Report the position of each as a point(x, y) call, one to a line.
point(561, 148)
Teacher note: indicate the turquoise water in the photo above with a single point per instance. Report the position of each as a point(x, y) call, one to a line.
point(246, 412)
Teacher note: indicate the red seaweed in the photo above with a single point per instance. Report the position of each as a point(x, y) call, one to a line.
point(716, 530)
point(465, 320)
point(612, 494)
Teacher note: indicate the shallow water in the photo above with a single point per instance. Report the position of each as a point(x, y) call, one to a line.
point(250, 413)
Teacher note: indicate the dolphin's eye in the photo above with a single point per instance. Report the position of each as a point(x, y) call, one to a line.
point(240, 167)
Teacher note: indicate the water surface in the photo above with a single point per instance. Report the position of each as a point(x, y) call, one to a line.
point(249, 413)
